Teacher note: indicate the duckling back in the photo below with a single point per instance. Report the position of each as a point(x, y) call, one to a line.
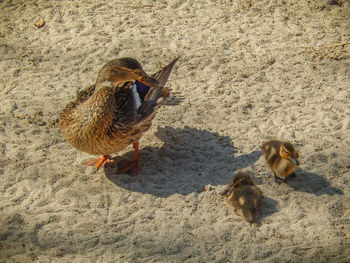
point(279, 157)
point(247, 201)
point(245, 197)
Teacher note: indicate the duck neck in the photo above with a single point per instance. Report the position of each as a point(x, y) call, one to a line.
point(103, 84)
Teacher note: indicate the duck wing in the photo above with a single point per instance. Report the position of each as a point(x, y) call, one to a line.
point(135, 101)
point(150, 100)
point(162, 77)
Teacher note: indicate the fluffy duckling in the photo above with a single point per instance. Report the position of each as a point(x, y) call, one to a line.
point(107, 117)
point(244, 196)
point(281, 157)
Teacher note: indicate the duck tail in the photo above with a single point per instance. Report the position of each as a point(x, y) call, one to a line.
point(248, 214)
point(162, 77)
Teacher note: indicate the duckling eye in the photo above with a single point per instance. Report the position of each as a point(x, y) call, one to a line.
point(285, 154)
point(284, 150)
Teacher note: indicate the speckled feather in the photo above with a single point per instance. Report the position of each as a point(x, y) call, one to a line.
point(244, 196)
point(104, 119)
point(280, 166)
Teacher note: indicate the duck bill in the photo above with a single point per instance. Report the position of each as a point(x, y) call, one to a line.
point(230, 191)
point(147, 80)
point(295, 161)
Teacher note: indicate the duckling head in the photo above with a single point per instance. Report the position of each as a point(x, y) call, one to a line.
point(123, 70)
point(241, 178)
point(288, 151)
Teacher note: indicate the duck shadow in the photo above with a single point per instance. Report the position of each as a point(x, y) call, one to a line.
point(312, 183)
point(188, 160)
point(268, 207)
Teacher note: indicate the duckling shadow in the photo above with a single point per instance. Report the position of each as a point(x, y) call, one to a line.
point(312, 183)
point(188, 160)
point(268, 207)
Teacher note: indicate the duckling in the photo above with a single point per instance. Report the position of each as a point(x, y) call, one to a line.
point(244, 196)
point(113, 113)
point(281, 157)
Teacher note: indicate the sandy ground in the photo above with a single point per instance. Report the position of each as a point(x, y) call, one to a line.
point(249, 71)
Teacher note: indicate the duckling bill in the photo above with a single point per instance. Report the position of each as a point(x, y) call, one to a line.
point(114, 113)
point(244, 196)
point(281, 157)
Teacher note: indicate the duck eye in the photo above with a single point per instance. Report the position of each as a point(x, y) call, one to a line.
point(286, 151)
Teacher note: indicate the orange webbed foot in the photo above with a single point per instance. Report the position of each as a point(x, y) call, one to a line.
point(100, 162)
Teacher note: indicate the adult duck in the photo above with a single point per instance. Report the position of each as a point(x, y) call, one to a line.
point(107, 117)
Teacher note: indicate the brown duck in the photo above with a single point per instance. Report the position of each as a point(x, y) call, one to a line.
point(107, 117)
point(281, 157)
point(244, 196)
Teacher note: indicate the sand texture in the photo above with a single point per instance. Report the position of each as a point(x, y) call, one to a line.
point(248, 71)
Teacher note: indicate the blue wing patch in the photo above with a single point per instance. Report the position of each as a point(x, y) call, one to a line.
point(142, 90)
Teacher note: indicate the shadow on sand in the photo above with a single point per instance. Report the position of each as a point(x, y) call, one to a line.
point(269, 207)
point(188, 160)
point(312, 183)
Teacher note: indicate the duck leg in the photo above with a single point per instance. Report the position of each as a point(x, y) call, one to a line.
point(292, 175)
point(134, 164)
point(100, 162)
point(279, 180)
